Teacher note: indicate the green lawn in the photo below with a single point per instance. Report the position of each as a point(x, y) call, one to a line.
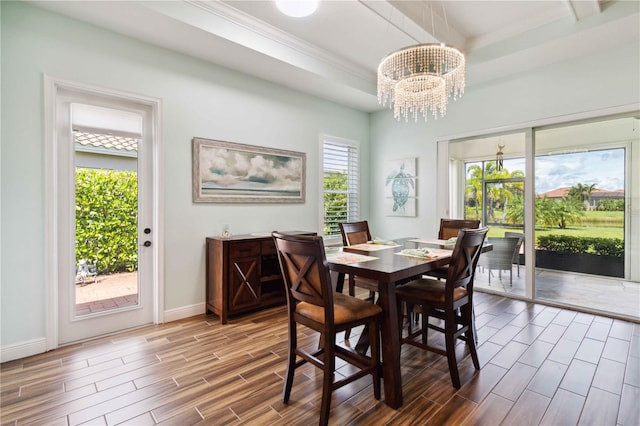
point(594, 224)
point(579, 231)
point(612, 219)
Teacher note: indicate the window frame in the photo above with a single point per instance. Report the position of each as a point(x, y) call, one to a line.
point(324, 139)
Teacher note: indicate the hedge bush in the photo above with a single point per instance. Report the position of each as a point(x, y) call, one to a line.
point(107, 219)
point(572, 244)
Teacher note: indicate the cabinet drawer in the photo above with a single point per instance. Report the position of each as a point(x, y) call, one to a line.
point(244, 249)
point(268, 247)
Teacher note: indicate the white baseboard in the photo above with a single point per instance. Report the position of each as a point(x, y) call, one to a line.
point(22, 350)
point(184, 312)
point(38, 346)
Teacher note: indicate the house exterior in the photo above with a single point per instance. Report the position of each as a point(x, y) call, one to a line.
point(596, 195)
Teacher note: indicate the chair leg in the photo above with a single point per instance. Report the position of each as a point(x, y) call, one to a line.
point(473, 322)
point(291, 363)
point(352, 292)
point(327, 380)
point(450, 329)
point(402, 309)
point(472, 337)
point(352, 286)
point(425, 324)
point(374, 339)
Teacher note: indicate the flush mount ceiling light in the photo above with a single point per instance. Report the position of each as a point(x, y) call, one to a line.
point(297, 8)
point(421, 78)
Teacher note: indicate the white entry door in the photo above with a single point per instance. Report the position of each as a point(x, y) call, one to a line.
point(106, 254)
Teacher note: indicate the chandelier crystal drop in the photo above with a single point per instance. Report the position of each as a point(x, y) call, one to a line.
point(420, 79)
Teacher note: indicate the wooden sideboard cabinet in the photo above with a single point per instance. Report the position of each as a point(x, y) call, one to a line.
point(243, 274)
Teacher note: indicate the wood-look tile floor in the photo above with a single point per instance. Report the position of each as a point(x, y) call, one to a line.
point(540, 365)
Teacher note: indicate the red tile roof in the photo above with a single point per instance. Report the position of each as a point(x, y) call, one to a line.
point(596, 193)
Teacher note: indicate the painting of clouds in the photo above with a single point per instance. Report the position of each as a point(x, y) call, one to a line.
point(238, 173)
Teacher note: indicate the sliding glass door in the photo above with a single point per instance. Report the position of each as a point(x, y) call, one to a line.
point(494, 194)
point(582, 194)
point(583, 208)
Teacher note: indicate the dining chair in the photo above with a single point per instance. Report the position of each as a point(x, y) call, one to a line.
point(516, 253)
point(501, 256)
point(357, 233)
point(449, 229)
point(451, 301)
point(312, 302)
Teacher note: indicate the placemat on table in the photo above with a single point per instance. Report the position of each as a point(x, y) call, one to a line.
point(370, 246)
point(347, 258)
point(425, 253)
point(433, 241)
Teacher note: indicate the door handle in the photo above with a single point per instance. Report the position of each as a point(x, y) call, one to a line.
point(147, 244)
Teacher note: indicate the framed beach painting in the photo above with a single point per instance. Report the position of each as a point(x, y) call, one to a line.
point(400, 187)
point(226, 172)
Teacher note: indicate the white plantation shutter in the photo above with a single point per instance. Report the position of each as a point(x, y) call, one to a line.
point(341, 173)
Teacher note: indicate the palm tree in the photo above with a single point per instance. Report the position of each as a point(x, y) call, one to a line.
point(582, 192)
point(474, 188)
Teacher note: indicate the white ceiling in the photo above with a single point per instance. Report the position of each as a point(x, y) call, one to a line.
point(334, 53)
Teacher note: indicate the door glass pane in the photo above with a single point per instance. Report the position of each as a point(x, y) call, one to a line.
point(580, 233)
point(106, 222)
point(494, 194)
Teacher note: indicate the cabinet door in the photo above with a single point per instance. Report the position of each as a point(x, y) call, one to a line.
point(244, 283)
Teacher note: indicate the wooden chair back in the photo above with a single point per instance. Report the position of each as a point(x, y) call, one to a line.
point(464, 260)
point(449, 227)
point(304, 270)
point(355, 232)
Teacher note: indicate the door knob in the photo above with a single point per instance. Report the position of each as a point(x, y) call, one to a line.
point(147, 244)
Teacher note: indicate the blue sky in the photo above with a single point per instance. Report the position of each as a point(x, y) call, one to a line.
point(605, 168)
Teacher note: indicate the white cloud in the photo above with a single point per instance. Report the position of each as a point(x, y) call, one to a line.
point(229, 167)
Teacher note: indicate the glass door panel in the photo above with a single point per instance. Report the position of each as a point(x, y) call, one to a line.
point(580, 231)
point(494, 194)
point(106, 222)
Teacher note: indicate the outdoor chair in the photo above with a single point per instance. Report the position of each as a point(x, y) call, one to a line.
point(312, 302)
point(451, 301)
point(516, 254)
point(501, 256)
point(86, 271)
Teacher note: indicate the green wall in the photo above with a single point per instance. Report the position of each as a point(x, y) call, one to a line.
point(198, 99)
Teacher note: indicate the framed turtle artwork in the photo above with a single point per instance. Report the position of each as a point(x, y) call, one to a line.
point(400, 187)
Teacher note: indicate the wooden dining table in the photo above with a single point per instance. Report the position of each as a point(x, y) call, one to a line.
point(384, 263)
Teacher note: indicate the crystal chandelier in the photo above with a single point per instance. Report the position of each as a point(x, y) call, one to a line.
point(421, 78)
